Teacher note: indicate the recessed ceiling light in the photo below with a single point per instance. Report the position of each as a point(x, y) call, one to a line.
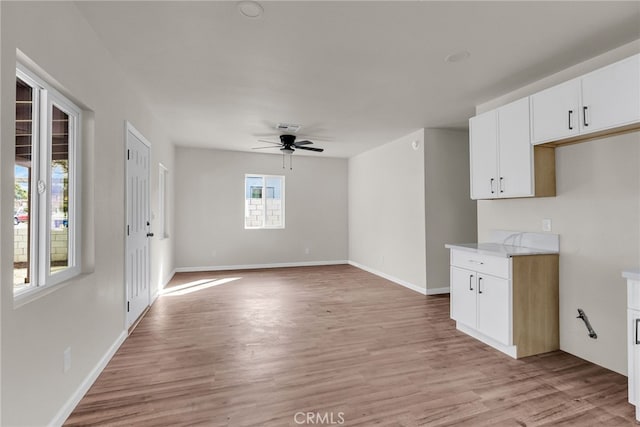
point(463, 55)
point(250, 9)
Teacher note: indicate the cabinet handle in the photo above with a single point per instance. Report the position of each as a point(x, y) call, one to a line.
point(471, 287)
point(479, 285)
point(491, 185)
point(501, 186)
point(637, 340)
point(584, 115)
point(570, 121)
point(475, 262)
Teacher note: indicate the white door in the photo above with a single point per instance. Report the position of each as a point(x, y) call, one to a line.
point(463, 296)
point(515, 152)
point(611, 96)
point(493, 308)
point(483, 138)
point(137, 265)
point(555, 112)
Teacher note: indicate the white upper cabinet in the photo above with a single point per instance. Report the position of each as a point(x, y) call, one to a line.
point(611, 96)
point(555, 112)
point(501, 152)
point(515, 153)
point(483, 142)
point(604, 99)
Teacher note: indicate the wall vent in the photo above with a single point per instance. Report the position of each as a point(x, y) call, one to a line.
point(286, 127)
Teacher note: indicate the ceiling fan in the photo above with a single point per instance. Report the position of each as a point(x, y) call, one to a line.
point(288, 144)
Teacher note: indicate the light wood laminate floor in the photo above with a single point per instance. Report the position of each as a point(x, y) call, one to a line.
point(255, 347)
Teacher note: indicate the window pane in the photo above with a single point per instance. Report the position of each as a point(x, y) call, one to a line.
point(22, 176)
point(254, 203)
point(59, 213)
point(275, 214)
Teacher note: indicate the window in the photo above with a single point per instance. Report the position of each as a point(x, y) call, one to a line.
point(162, 201)
point(263, 201)
point(46, 174)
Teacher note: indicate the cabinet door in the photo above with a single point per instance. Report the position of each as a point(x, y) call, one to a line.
point(494, 308)
point(633, 354)
point(483, 139)
point(555, 112)
point(515, 152)
point(611, 96)
point(463, 296)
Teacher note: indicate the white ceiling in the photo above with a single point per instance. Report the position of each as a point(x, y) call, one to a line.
point(354, 74)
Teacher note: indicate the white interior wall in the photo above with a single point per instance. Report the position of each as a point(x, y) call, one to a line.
point(88, 312)
point(387, 211)
point(209, 199)
point(450, 214)
point(596, 213)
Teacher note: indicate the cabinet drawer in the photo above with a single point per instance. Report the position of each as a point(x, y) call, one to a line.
point(633, 294)
point(487, 264)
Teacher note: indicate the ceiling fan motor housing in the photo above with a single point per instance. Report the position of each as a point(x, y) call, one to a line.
point(287, 140)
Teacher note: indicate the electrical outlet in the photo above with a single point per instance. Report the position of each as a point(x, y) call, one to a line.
point(67, 359)
point(546, 224)
point(306, 251)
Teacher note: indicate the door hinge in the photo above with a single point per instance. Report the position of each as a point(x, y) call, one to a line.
point(128, 154)
point(127, 306)
point(127, 230)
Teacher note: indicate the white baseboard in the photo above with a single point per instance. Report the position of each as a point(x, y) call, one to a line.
point(438, 291)
point(75, 398)
point(256, 266)
point(393, 279)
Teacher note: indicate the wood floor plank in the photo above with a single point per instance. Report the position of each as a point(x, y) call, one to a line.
point(256, 347)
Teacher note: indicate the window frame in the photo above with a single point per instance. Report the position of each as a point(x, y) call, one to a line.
point(263, 190)
point(45, 98)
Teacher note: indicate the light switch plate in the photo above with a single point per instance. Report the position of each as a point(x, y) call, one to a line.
point(546, 224)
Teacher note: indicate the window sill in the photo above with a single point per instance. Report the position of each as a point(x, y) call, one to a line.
point(264, 228)
point(30, 295)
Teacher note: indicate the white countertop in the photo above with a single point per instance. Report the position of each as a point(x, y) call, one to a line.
point(498, 249)
point(513, 243)
point(632, 274)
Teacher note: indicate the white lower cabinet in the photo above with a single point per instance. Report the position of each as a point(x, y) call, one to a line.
point(494, 307)
point(463, 292)
point(509, 303)
point(633, 354)
point(633, 342)
point(481, 302)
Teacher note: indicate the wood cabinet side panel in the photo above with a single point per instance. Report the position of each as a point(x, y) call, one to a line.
point(544, 164)
point(536, 304)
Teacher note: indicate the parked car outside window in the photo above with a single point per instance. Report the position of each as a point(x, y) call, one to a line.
point(20, 216)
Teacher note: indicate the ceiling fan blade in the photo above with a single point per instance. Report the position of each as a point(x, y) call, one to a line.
point(261, 148)
point(319, 150)
point(305, 142)
point(269, 142)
